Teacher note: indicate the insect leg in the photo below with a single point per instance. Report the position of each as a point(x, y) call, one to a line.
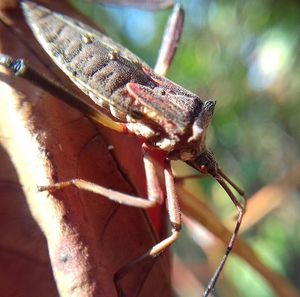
point(170, 40)
point(154, 193)
point(20, 68)
point(175, 219)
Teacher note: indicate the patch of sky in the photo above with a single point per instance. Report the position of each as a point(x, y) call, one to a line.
point(138, 25)
point(270, 57)
point(197, 11)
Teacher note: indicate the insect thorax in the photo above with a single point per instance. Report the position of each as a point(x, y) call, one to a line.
point(182, 141)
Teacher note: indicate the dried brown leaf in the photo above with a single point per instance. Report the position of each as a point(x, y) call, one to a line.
point(88, 237)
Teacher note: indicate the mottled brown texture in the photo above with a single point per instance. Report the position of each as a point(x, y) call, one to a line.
point(102, 69)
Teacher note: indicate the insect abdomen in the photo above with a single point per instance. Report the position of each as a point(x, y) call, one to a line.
point(92, 61)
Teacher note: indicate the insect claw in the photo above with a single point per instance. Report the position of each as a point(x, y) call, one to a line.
point(55, 187)
point(41, 188)
point(16, 66)
point(49, 188)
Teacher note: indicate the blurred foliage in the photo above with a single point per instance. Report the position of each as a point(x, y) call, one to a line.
point(244, 54)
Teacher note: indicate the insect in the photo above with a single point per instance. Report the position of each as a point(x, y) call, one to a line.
point(165, 116)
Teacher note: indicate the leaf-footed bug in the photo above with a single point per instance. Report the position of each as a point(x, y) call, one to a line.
point(162, 114)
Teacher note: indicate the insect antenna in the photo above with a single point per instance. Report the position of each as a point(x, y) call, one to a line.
point(206, 164)
point(223, 179)
point(237, 188)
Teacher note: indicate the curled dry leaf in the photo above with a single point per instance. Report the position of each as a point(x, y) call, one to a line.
point(88, 238)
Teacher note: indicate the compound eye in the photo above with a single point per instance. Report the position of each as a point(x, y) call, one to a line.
point(204, 169)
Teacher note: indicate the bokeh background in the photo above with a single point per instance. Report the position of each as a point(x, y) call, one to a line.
point(245, 55)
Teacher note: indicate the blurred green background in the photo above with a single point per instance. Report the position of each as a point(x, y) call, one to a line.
point(245, 55)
